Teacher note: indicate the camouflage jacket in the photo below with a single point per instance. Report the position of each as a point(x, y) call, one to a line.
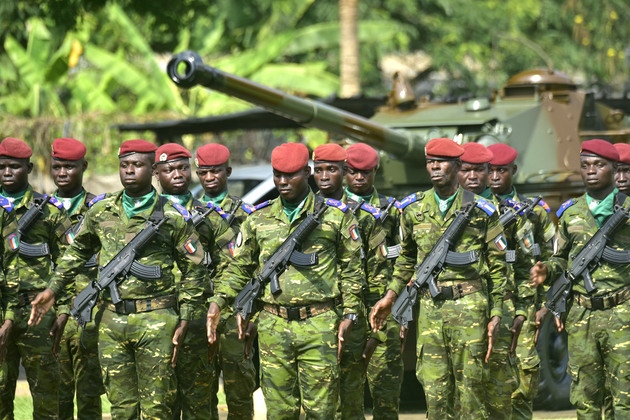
point(106, 229)
point(336, 240)
point(422, 225)
point(575, 227)
point(8, 252)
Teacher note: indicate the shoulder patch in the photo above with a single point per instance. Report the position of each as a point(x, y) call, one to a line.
point(248, 208)
point(96, 200)
point(544, 206)
point(412, 198)
point(182, 210)
point(564, 206)
point(398, 205)
point(372, 210)
point(485, 206)
point(218, 209)
point(6, 204)
point(336, 203)
point(262, 205)
point(55, 202)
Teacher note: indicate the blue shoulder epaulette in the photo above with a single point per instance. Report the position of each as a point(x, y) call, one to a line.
point(398, 205)
point(412, 198)
point(513, 203)
point(55, 202)
point(564, 206)
point(96, 200)
point(485, 205)
point(544, 206)
point(182, 210)
point(372, 210)
point(336, 203)
point(261, 205)
point(248, 208)
point(6, 203)
point(217, 209)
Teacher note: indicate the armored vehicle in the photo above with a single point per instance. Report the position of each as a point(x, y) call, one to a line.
point(541, 113)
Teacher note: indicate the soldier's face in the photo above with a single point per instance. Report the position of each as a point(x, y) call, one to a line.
point(15, 174)
point(135, 173)
point(328, 177)
point(174, 177)
point(443, 173)
point(500, 178)
point(68, 174)
point(622, 178)
point(473, 177)
point(214, 178)
point(597, 173)
point(360, 182)
point(293, 187)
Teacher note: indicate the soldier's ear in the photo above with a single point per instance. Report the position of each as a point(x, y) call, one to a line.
point(29, 167)
point(514, 168)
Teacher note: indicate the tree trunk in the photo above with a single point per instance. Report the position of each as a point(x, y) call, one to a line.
point(349, 48)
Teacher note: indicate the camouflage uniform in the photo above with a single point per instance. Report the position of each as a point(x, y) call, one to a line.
point(598, 338)
point(8, 253)
point(33, 345)
point(452, 334)
point(299, 357)
point(135, 349)
point(78, 351)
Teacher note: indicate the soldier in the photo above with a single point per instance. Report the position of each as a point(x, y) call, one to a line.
point(234, 358)
point(41, 245)
point(78, 350)
point(195, 373)
point(383, 348)
point(139, 337)
point(473, 175)
point(300, 333)
point(597, 323)
point(535, 231)
point(452, 327)
point(622, 174)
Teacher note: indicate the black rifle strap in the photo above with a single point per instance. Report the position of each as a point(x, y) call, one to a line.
point(468, 199)
point(158, 214)
point(620, 199)
point(383, 202)
point(319, 202)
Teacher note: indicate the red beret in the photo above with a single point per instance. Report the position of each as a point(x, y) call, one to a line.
point(68, 149)
point(171, 151)
point(212, 154)
point(330, 152)
point(624, 152)
point(503, 154)
point(136, 146)
point(600, 148)
point(289, 157)
point(362, 157)
point(15, 148)
point(443, 149)
point(476, 153)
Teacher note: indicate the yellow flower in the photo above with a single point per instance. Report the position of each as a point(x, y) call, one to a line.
point(613, 15)
point(75, 53)
point(578, 19)
point(611, 52)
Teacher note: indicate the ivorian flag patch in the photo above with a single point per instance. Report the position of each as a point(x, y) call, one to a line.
point(190, 246)
point(14, 243)
point(354, 232)
point(500, 242)
point(70, 236)
point(384, 249)
point(231, 248)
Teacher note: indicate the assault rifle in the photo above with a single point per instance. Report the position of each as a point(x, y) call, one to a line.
point(587, 261)
point(232, 214)
point(433, 264)
point(510, 216)
point(115, 271)
point(286, 254)
point(25, 223)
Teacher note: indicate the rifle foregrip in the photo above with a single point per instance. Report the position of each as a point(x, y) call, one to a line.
point(275, 284)
point(114, 293)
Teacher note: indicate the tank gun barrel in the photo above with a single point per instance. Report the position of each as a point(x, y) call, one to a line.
point(187, 70)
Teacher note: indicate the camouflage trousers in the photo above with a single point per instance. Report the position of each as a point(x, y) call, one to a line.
point(452, 345)
point(33, 346)
point(528, 364)
point(239, 373)
point(298, 361)
point(502, 372)
point(599, 346)
point(351, 380)
point(135, 353)
point(80, 370)
point(385, 373)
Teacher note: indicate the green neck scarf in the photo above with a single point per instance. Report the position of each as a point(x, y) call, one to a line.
point(71, 204)
point(444, 205)
point(602, 210)
point(352, 196)
point(15, 197)
point(182, 200)
point(509, 195)
point(215, 200)
point(135, 205)
point(487, 194)
point(293, 209)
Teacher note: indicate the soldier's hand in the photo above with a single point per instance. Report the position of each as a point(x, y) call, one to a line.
point(403, 338)
point(56, 332)
point(250, 336)
point(381, 310)
point(178, 340)
point(243, 326)
point(538, 274)
point(559, 323)
point(345, 327)
point(541, 314)
point(212, 322)
point(517, 325)
point(368, 351)
point(213, 348)
point(494, 326)
point(5, 331)
point(40, 306)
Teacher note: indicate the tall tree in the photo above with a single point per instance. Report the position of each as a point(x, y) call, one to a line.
point(349, 48)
